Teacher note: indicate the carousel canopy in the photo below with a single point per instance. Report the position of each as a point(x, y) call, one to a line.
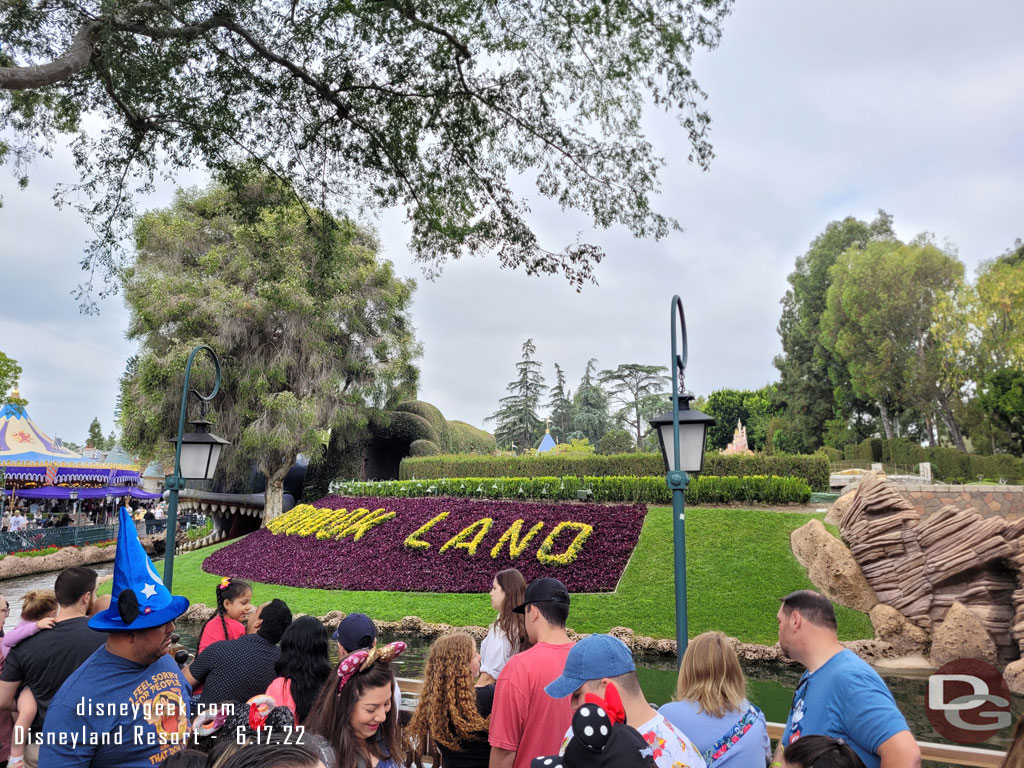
point(27, 453)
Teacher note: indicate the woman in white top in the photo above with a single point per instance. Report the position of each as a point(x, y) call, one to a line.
point(507, 634)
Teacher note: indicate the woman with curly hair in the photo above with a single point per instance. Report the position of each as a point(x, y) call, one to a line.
point(507, 634)
point(451, 719)
point(354, 711)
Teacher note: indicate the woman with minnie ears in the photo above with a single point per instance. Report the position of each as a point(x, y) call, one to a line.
point(354, 711)
point(234, 599)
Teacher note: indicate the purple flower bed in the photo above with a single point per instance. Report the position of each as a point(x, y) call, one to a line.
point(381, 561)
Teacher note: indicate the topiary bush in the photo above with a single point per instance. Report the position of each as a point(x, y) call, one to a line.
point(423, 448)
point(468, 439)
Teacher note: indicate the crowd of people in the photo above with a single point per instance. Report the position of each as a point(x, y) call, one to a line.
point(90, 682)
point(30, 514)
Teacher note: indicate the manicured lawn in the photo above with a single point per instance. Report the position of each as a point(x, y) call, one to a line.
point(738, 566)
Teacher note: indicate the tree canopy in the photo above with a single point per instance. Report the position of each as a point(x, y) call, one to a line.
point(10, 372)
point(435, 107)
point(312, 329)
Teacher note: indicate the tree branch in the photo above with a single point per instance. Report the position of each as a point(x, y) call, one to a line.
point(74, 60)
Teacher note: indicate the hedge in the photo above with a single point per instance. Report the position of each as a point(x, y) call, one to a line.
point(949, 465)
point(813, 469)
point(707, 489)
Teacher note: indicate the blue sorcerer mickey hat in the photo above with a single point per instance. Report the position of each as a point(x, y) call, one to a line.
point(139, 599)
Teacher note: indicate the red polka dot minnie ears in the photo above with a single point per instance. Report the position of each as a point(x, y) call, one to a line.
point(360, 661)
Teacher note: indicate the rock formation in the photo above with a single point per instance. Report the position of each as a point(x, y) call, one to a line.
point(961, 635)
point(922, 566)
point(831, 567)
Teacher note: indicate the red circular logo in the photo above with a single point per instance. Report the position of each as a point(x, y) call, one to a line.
point(968, 701)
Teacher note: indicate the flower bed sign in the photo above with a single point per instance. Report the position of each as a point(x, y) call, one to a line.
point(435, 544)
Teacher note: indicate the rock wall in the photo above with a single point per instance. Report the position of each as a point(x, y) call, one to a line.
point(921, 563)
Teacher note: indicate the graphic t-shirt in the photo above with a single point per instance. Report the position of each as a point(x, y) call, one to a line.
point(525, 719)
point(44, 661)
point(846, 699)
point(113, 711)
point(669, 746)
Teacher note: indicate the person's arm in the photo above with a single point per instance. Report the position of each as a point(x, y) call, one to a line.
point(200, 667)
point(8, 695)
point(501, 758)
point(900, 751)
point(484, 679)
point(23, 630)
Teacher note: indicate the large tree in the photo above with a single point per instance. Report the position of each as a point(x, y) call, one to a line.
point(312, 329)
point(638, 390)
point(560, 415)
point(10, 372)
point(431, 106)
point(814, 387)
point(590, 406)
point(879, 321)
point(516, 422)
point(95, 437)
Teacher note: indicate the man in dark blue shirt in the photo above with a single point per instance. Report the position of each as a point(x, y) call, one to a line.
point(128, 704)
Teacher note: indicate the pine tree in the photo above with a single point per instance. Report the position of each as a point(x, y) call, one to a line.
point(561, 407)
point(517, 425)
point(640, 391)
point(590, 406)
point(95, 438)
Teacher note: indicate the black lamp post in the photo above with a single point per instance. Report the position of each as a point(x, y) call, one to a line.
point(682, 433)
point(195, 456)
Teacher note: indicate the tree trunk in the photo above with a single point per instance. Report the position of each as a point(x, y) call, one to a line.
point(950, 421)
point(929, 423)
point(883, 412)
point(274, 499)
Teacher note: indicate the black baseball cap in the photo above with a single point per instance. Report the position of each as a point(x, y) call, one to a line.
point(544, 590)
point(356, 632)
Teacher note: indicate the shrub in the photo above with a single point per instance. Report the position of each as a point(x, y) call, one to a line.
point(705, 489)
point(466, 438)
point(813, 469)
point(615, 441)
point(432, 416)
point(579, 446)
point(423, 448)
point(832, 454)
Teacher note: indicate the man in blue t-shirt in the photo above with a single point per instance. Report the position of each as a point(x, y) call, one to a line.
point(128, 703)
point(839, 695)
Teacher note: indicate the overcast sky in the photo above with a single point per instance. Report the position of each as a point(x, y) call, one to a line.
point(820, 111)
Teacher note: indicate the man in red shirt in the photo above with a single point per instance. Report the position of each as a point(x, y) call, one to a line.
point(525, 721)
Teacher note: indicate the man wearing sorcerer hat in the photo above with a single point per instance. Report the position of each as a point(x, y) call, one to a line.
point(128, 704)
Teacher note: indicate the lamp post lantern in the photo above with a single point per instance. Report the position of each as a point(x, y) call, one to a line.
point(73, 496)
point(195, 455)
point(682, 433)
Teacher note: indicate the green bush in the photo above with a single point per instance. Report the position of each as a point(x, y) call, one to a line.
point(832, 454)
point(708, 489)
point(813, 469)
point(434, 417)
point(615, 441)
point(466, 438)
point(423, 448)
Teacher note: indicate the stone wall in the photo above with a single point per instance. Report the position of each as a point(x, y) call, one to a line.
point(1005, 501)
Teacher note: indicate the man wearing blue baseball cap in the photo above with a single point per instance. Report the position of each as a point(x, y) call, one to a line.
point(128, 704)
point(602, 665)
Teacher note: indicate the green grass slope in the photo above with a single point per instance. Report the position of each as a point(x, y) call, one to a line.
point(739, 564)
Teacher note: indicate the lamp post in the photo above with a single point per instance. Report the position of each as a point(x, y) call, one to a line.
point(682, 433)
point(195, 455)
point(73, 496)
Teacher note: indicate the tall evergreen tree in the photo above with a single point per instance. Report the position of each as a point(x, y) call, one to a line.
point(590, 406)
point(516, 422)
point(561, 407)
point(634, 387)
point(95, 437)
point(814, 386)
